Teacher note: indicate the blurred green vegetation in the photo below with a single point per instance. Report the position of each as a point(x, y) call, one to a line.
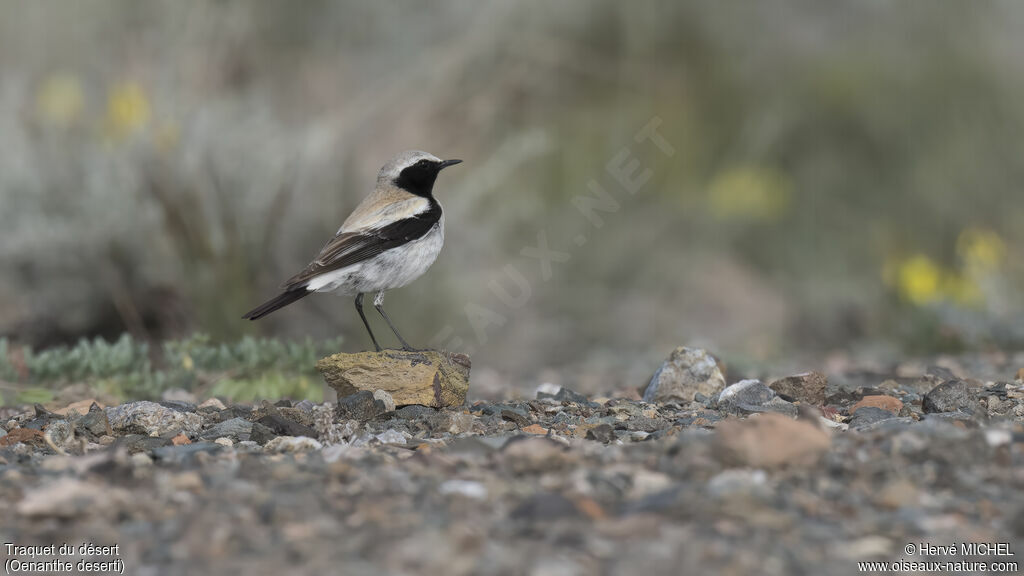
point(246, 370)
point(847, 176)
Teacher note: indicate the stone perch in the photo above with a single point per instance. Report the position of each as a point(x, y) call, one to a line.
point(427, 377)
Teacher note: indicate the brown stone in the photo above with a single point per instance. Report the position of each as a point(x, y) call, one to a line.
point(808, 388)
point(1020, 375)
point(81, 407)
point(770, 441)
point(884, 402)
point(26, 435)
point(427, 377)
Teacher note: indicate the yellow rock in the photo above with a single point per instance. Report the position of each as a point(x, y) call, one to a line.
point(428, 377)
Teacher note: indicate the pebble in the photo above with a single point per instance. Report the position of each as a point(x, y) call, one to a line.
point(185, 452)
point(734, 482)
point(390, 436)
point(869, 415)
point(603, 433)
point(279, 422)
point(460, 423)
point(292, 444)
point(770, 441)
point(887, 403)
point(261, 434)
point(515, 417)
point(950, 396)
point(70, 497)
point(467, 488)
point(383, 396)
point(152, 419)
point(94, 423)
point(235, 429)
point(752, 396)
point(141, 459)
point(531, 454)
point(361, 406)
point(807, 388)
point(212, 404)
point(23, 435)
point(686, 373)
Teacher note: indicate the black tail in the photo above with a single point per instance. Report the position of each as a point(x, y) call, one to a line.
point(280, 301)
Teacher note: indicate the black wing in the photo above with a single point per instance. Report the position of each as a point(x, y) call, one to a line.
point(350, 248)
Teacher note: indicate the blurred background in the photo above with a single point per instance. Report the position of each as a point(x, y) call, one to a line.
point(845, 179)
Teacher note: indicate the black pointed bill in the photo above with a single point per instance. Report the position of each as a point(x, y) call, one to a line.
point(446, 163)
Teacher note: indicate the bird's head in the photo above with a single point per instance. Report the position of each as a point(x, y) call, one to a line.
point(413, 171)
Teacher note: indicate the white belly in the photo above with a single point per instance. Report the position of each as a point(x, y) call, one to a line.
point(391, 269)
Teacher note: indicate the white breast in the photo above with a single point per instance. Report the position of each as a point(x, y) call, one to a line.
point(392, 269)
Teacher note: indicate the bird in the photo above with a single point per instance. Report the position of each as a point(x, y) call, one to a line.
point(390, 239)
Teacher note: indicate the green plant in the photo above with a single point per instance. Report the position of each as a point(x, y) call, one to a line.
point(248, 369)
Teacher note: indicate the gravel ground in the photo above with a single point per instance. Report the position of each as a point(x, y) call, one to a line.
point(803, 475)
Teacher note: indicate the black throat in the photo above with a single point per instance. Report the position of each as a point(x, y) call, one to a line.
point(418, 180)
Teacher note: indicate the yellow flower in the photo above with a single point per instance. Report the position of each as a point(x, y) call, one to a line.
point(127, 109)
point(919, 280)
point(59, 99)
point(749, 193)
point(981, 250)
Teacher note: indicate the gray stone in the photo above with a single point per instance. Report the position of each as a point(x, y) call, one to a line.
point(866, 416)
point(284, 426)
point(60, 433)
point(236, 429)
point(292, 444)
point(950, 396)
point(179, 405)
point(261, 434)
point(361, 406)
point(140, 443)
point(515, 417)
point(603, 433)
point(383, 396)
point(152, 419)
point(807, 388)
point(777, 405)
point(185, 452)
point(752, 396)
point(94, 423)
point(686, 373)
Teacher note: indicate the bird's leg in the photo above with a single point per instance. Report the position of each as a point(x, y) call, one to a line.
point(378, 303)
point(359, 308)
